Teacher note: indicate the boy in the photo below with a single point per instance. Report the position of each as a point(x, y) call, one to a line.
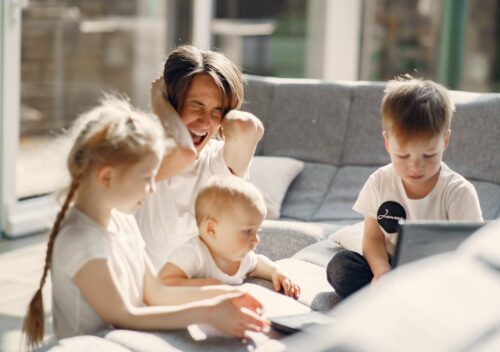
point(417, 185)
point(229, 212)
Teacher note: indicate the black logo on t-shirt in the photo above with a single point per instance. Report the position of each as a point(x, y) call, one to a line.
point(389, 214)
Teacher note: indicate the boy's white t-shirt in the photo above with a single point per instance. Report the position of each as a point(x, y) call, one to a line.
point(166, 218)
point(195, 260)
point(80, 240)
point(383, 198)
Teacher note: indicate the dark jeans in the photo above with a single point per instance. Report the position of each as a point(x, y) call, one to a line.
point(347, 272)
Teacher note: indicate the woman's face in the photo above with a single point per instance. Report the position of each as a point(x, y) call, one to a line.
point(202, 110)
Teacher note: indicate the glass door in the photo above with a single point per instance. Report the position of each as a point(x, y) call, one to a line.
point(59, 57)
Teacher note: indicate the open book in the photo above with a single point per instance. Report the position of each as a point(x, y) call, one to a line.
point(275, 304)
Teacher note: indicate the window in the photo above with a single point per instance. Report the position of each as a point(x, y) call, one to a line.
point(57, 63)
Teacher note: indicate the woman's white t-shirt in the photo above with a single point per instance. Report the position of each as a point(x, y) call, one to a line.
point(80, 240)
point(166, 218)
point(195, 260)
point(384, 198)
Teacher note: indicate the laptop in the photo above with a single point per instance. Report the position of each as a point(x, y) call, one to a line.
point(420, 239)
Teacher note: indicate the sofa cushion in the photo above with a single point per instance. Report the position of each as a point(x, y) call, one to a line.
point(308, 121)
point(194, 338)
point(258, 96)
point(350, 237)
point(318, 253)
point(342, 193)
point(141, 340)
point(474, 149)
point(489, 198)
point(363, 140)
point(85, 343)
point(282, 239)
point(307, 191)
point(273, 175)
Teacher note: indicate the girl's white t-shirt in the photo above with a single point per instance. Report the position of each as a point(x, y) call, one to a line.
point(166, 218)
point(80, 240)
point(384, 198)
point(195, 260)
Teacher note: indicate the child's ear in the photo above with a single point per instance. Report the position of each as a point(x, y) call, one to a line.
point(211, 228)
point(386, 141)
point(447, 139)
point(104, 176)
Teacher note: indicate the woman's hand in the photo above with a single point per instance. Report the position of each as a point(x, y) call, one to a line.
point(172, 122)
point(236, 313)
point(180, 151)
point(377, 276)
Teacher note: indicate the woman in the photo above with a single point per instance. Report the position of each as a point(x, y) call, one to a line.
point(204, 88)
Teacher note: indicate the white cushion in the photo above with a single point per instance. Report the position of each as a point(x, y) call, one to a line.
point(272, 176)
point(350, 237)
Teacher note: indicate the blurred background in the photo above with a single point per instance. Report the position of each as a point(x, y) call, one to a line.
point(73, 50)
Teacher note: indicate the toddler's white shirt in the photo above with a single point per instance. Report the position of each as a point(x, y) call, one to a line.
point(383, 198)
point(195, 260)
point(80, 240)
point(166, 218)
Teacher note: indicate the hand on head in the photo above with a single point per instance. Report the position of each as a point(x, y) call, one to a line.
point(180, 151)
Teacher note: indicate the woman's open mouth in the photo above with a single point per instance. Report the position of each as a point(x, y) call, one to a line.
point(198, 137)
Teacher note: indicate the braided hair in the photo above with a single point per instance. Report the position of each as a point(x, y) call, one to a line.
point(113, 133)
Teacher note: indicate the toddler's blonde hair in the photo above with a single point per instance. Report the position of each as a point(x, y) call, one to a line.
point(222, 194)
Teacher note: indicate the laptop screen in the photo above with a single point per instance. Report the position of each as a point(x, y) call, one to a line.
point(417, 240)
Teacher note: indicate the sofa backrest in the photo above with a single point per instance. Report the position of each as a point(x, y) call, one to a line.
point(474, 149)
point(338, 123)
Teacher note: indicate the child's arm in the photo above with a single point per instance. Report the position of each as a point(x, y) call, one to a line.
point(241, 132)
point(98, 286)
point(374, 248)
point(172, 275)
point(268, 270)
point(182, 152)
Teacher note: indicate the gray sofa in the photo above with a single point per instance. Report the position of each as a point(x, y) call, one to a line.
point(334, 127)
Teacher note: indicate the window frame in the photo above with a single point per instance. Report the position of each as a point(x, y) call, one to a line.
point(18, 216)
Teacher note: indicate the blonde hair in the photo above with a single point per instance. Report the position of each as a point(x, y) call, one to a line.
point(223, 193)
point(186, 61)
point(414, 109)
point(115, 134)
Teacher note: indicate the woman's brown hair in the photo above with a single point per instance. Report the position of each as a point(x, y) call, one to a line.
point(186, 61)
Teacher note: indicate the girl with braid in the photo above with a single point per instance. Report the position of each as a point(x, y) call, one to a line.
point(101, 275)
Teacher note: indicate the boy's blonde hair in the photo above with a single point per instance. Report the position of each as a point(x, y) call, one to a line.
point(113, 134)
point(414, 109)
point(222, 194)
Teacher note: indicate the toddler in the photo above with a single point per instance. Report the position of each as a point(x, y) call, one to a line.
point(229, 212)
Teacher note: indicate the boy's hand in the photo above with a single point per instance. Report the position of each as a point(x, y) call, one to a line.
point(376, 277)
point(290, 288)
